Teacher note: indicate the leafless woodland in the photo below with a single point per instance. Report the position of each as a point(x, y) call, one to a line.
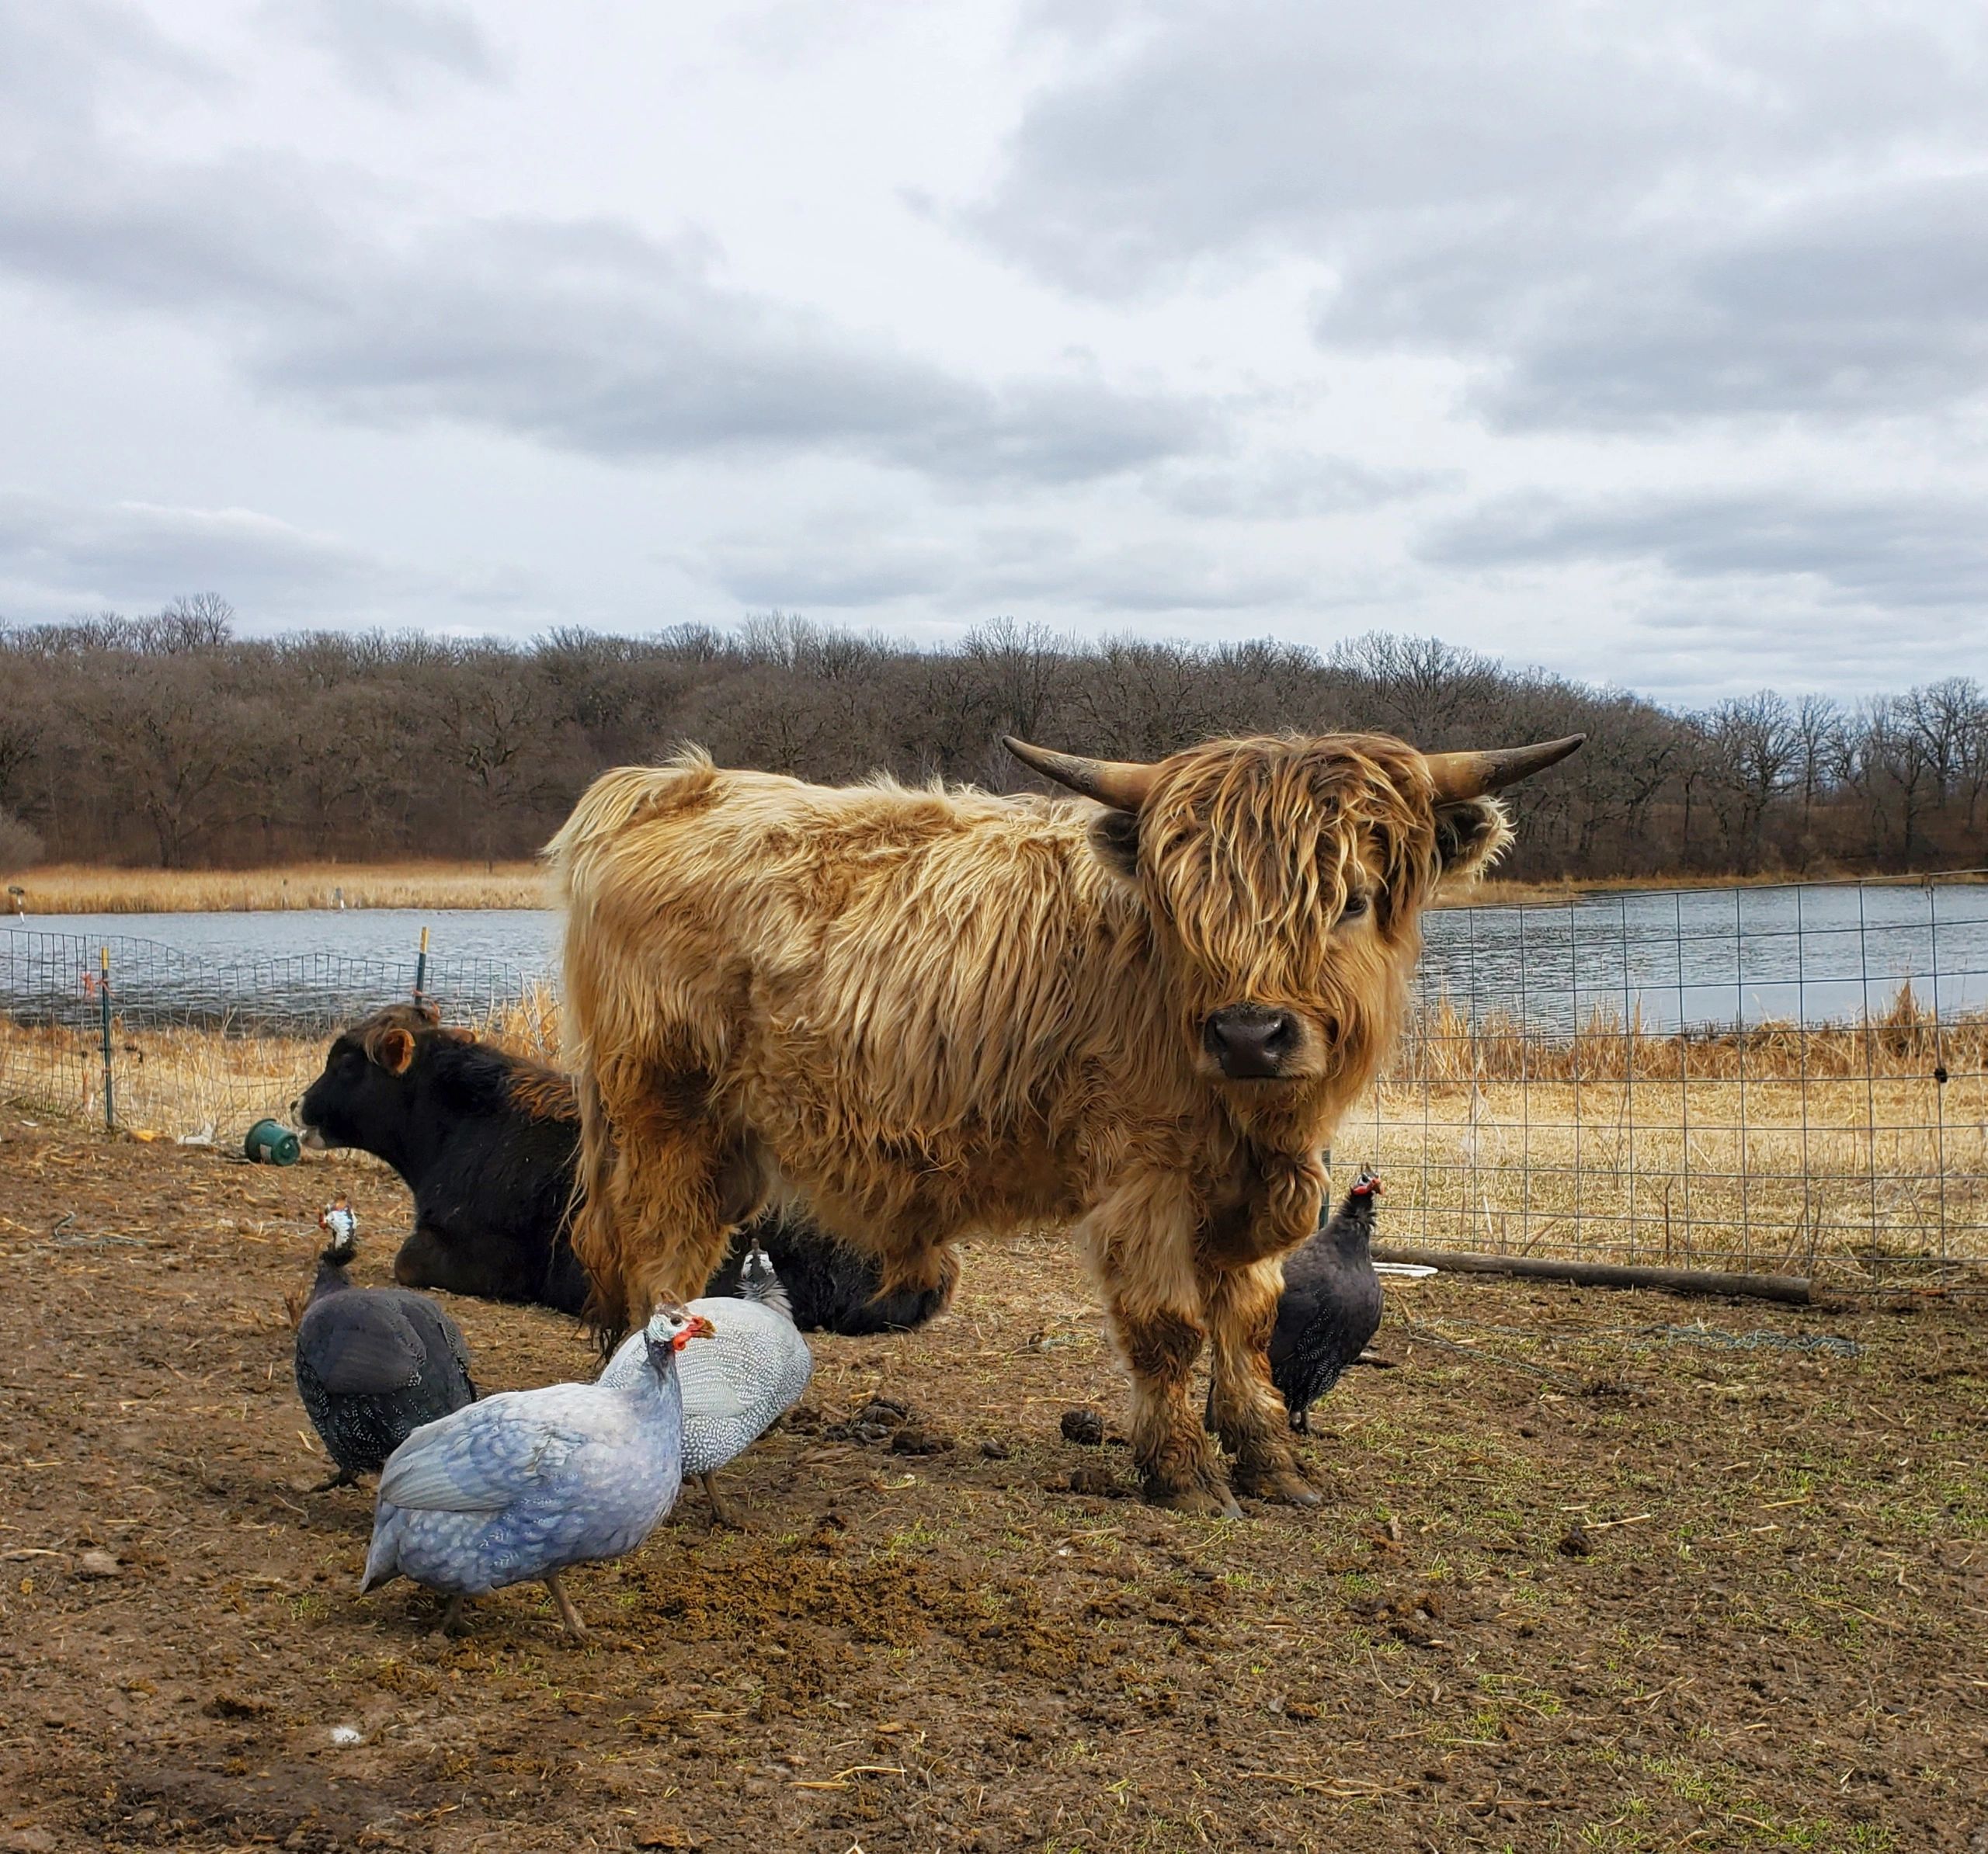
point(173, 741)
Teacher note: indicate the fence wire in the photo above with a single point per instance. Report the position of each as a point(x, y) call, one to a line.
point(199, 1049)
point(1792, 1079)
point(1786, 1079)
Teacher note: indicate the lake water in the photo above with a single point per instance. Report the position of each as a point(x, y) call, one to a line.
point(1812, 952)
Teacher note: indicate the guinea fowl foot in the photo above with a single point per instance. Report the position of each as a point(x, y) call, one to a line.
point(722, 1511)
point(452, 1618)
point(344, 1478)
point(568, 1614)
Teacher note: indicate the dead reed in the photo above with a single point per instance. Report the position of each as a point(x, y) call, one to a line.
point(1441, 1043)
point(78, 889)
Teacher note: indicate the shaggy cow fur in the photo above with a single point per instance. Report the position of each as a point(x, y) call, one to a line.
point(932, 1012)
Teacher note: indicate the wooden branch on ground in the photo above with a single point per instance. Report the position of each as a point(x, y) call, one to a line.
point(1792, 1289)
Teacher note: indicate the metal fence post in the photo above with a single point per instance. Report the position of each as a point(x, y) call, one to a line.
point(421, 967)
point(103, 1011)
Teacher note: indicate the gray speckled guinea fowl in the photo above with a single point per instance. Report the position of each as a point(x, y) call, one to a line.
point(371, 1364)
point(1331, 1305)
point(523, 1483)
point(741, 1381)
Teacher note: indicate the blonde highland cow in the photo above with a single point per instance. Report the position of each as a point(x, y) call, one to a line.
point(934, 1013)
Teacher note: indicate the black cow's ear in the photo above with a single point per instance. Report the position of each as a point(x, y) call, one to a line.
point(394, 1051)
point(1469, 836)
point(1114, 836)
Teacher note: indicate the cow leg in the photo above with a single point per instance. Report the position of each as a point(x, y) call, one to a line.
point(1177, 1468)
point(1240, 1307)
point(664, 1226)
point(1140, 1243)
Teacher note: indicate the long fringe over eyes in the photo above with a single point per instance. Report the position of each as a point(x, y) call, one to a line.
point(1250, 849)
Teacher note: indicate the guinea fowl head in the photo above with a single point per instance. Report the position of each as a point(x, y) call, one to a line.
point(1353, 1223)
point(336, 1219)
point(758, 1282)
point(670, 1328)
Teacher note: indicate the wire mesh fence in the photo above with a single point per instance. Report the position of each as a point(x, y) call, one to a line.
point(136, 1033)
point(1788, 1079)
point(1792, 1079)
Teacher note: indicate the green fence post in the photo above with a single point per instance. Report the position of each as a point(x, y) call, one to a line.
point(103, 1001)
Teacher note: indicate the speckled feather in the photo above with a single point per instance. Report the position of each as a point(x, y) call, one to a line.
point(527, 1482)
point(372, 1365)
point(738, 1383)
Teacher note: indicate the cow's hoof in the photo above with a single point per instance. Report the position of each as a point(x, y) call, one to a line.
point(1283, 1483)
point(1198, 1500)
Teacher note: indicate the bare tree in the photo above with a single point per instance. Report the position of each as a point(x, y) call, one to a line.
point(1754, 746)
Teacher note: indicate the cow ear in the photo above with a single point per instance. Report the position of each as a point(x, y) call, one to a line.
point(1114, 837)
point(432, 1012)
point(394, 1051)
point(1470, 836)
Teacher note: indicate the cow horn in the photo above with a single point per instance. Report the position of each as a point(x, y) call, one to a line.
point(1461, 775)
point(1122, 784)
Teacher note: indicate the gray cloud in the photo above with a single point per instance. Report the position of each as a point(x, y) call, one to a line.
point(1290, 486)
point(851, 563)
point(1623, 214)
point(1897, 552)
point(598, 340)
point(592, 337)
point(388, 48)
point(1874, 303)
point(58, 556)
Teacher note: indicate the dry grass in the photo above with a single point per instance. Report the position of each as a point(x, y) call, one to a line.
point(1903, 1041)
point(1495, 892)
point(171, 1083)
point(1836, 1153)
point(1845, 1177)
point(76, 889)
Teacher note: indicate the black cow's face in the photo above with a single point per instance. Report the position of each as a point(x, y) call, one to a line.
point(364, 1096)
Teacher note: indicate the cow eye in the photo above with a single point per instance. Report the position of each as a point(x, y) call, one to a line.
point(1357, 904)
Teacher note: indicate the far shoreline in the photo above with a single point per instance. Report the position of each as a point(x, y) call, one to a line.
point(70, 889)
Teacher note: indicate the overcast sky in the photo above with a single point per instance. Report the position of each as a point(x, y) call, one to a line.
point(1645, 342)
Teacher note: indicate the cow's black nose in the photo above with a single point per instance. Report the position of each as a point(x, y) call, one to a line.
point(1251, 1042)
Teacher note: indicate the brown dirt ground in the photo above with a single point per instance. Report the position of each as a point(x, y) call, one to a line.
point(1771, 1633)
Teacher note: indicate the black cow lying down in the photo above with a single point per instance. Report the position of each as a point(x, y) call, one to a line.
point(485, 1141)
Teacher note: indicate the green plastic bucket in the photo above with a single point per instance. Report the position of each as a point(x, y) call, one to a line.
point(269, 1143)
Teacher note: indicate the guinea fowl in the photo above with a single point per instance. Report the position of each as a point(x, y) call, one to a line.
point(525, 1482)
point(1331, 1304)
point(752, 1371)
point(372, 1364)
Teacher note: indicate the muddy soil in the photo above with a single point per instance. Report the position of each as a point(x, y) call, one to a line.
point(1582, 1580)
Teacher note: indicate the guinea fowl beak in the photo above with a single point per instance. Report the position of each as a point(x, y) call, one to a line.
point(698, 1329)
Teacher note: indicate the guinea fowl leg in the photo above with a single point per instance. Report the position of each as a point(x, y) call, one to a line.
point(452, 1618)
point(568, 1614)
point(344, 1478)
point(722, 1514)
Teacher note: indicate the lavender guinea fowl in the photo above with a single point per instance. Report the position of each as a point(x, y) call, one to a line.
point(523, 1483)
point(738, 1384)
point(1331, 1305)
point(372, 1364)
